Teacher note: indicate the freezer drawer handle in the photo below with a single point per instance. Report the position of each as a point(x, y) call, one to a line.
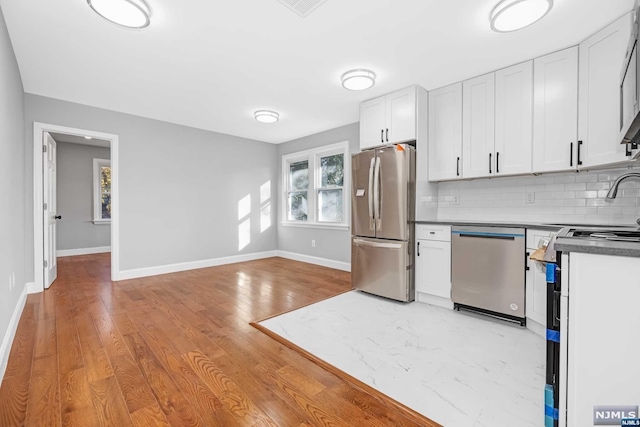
point(377, 245)
point(370, 195)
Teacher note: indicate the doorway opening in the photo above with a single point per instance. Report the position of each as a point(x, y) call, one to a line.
point(86, 211)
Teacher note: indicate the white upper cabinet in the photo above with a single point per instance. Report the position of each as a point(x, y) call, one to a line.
point(555, 111)
point(514, 104)
point(478, 126)
point(601, 57)
point(388, 119)
point(372, 118)
point(445, 133)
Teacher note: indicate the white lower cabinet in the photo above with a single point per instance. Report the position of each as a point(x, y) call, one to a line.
point(433, 265)
point(536, 285)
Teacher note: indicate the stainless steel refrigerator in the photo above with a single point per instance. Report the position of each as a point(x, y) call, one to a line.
point(382, 225)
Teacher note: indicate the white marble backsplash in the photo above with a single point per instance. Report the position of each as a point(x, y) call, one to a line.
point(457, 368)
point(576, 198)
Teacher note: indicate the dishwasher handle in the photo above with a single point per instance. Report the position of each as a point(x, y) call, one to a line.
point(483, 235)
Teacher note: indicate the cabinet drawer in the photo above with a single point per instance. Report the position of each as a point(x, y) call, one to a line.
point(441, 233)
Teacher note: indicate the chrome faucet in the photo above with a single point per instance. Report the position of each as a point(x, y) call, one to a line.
point(613, 191)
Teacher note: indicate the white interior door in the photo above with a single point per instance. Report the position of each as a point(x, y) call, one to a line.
point(50, 215)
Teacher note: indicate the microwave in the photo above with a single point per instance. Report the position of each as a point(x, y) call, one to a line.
point(630, 88)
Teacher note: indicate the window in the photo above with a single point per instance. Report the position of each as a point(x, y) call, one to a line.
point(315, 183)
point(101, 191)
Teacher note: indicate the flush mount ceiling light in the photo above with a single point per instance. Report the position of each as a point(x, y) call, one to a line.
point(358, 79)
point(266, 116)
point(126, 13)
point(513, 15)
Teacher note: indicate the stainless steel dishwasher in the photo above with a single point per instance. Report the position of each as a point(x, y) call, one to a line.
point(488, 271)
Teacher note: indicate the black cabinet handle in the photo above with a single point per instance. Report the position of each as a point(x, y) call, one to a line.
point(579, 146)
point(387, 135)
point(381, 135)
point(458, 167)
point(57, 217)
point(489, 162)
point(497, 162)
point(571, 154)
point(418, 248)
point(526, 261)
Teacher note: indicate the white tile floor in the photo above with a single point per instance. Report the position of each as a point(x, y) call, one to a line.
point(456, 368)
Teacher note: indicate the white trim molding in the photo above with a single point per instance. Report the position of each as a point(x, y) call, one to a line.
point(7, 340)
point(31, 288)
point(193, 265)
point(83, 251)
point(325, 262)
point(38, 226)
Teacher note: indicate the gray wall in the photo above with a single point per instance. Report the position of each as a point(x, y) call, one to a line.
point(76, 229)
point(179, 186)
point(330, 244)
point(12, 194)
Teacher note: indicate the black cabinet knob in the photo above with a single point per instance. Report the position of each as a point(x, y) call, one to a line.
point(57, 217)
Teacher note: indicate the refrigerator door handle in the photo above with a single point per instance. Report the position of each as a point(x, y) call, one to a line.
point(377, 245)
point(370, 195)
point(376, 193)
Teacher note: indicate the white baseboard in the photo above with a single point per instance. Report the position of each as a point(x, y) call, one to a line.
point(325, 262)
point(434, 300)
point(10, 333)
point(537, 328)
point(31, 288)
point(191, 265)
point(83, 251)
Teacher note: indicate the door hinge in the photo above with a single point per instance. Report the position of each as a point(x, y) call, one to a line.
point(46, 264)
point(45, 206)
point(44, 148)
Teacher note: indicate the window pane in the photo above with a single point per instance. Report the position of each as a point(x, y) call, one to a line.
point(297, 206)
point(105, 179)
point(332, 170)
point(299, 175)
point(106, 206)
point(330, 205)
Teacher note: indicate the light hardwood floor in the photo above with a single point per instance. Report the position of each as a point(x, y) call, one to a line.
point(177, 350)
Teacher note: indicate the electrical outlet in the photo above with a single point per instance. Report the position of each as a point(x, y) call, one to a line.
point(313, 243)
point(531, 197)
point(456, 200)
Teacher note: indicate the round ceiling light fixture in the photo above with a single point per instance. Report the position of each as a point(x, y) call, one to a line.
point(513, 15)
point(358, 79)
point(126, 13)
point(266, 116)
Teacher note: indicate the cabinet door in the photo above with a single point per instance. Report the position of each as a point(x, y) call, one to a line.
point(514, 106)
point(555, 111)
point(433, 268)
point(445, 133)
point(372, 117)
point(478, 126)
point(536, 282)
point(401, 116)
point(601, 58)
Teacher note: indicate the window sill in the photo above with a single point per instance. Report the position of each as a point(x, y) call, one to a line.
point(101, 221)
point(316, 225)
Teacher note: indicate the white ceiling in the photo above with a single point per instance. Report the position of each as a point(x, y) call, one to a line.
point(75, 139)
point(210, 64)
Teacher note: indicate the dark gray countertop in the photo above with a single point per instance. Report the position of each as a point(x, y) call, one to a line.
point(564, 244)
point(531, 225)
point(567, 244)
